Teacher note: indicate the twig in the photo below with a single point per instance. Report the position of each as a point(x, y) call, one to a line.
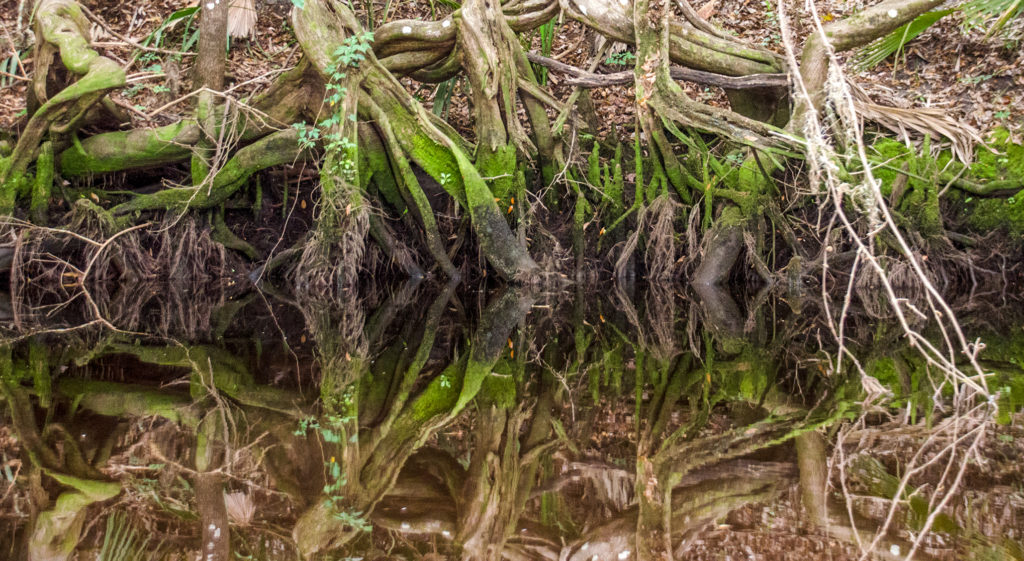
point(584, 79)
point(15, 76)
point(130, 107)
point(139, 46)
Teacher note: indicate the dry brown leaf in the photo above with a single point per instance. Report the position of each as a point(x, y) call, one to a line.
point(931, 121)
point(707, 9)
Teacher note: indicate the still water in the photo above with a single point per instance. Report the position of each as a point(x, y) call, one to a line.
point(431, 422)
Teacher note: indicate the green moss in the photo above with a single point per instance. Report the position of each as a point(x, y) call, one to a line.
point(500, 166)
point(731, 216)
point(1005, 160)
point(594, 165)
point(613, 185)
point(43, 184)
point(888, 156)
point(920, 203)
point(120, 150)
point(8, 189)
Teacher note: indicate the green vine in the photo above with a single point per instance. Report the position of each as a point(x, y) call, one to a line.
point(328, 132)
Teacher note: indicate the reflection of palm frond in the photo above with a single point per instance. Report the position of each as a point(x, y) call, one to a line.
point(121, 541)
point(240, 507)
point(879, 50)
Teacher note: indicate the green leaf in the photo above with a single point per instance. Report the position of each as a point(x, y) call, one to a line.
point(877, 51)
point(978, 14)
point(300, 4)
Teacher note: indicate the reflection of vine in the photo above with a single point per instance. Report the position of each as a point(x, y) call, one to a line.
point(332, 431)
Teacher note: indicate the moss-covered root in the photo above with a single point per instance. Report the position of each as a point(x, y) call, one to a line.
point(279, 148)
point(43, 184)
point(60, 23)
point(488, 49)
point(425, 139)
point(411, 191)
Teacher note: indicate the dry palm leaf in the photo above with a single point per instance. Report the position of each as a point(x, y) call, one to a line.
point(930, 121)
point(241, 18)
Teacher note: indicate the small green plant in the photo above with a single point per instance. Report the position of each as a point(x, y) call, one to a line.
point(443, 97)
point(769, 13)
point(123, 542)
point(136, 89)
point(993, 15)
point(9, 66)
point(1002, 114)
point(624, 58)
point(974, 80)
point(189, 37)
point(547, 38)
point(331, 430)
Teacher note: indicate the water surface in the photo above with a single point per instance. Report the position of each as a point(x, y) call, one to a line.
point(431, 422)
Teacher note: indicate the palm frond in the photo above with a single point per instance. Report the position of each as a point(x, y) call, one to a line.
point(879, 50)
point(241, 18)
point(924, 121)
point(240, 507)
point(978, 14)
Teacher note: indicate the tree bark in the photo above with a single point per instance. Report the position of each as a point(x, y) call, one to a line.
point(211, 61)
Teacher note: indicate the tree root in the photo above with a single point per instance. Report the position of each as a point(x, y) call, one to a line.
point(61, 24)
point(279, 148)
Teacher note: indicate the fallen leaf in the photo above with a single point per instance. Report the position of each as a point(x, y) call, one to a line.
point(707, 9)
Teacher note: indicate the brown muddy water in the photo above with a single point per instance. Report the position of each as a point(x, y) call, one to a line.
point(428, 422)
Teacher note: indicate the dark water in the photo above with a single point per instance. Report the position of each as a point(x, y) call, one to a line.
point(425, 422)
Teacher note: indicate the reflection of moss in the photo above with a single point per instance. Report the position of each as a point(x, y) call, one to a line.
point(1004, 355)
point(880, 483)
point(906, 377)
point(748, 375)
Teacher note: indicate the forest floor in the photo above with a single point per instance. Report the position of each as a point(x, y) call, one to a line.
point(979, 81)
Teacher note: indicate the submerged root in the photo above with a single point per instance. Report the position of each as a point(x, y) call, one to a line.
point(656, 224)
point(333, 255)
point(661, 242)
